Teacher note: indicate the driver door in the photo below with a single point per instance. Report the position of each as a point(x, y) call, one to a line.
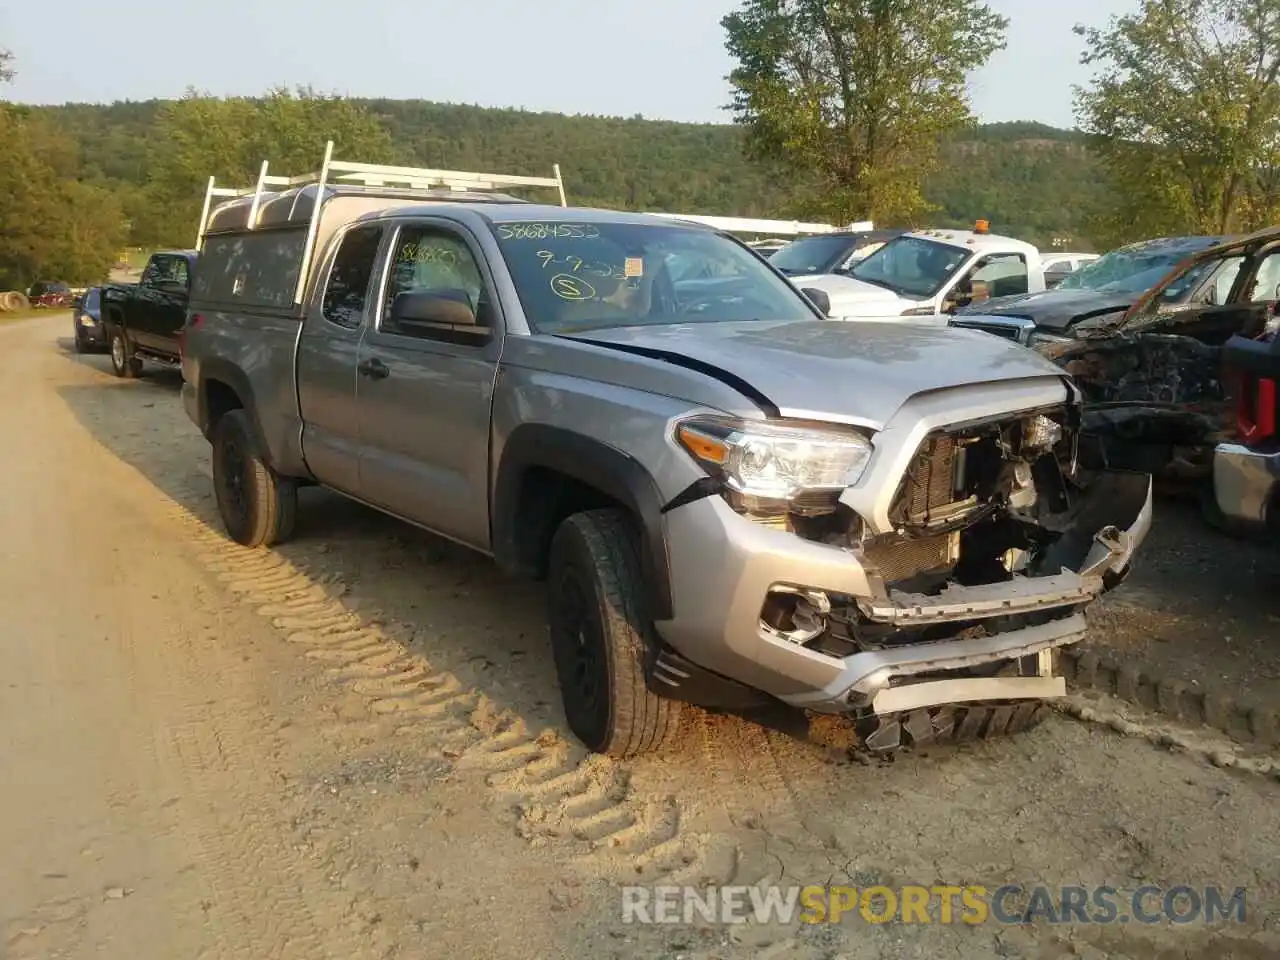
point(1231, 294)
point(423, 395)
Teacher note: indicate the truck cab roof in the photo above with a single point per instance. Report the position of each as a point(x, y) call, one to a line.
point(980, 242)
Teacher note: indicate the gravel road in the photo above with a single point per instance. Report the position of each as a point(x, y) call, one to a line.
point(352, 747)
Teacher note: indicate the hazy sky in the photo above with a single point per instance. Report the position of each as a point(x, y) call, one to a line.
point(655, 57)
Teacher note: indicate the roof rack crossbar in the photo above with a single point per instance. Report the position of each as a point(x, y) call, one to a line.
point(380, 175)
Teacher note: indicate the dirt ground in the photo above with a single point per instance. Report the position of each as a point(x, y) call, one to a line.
point(1201, 606)
point(352, 748)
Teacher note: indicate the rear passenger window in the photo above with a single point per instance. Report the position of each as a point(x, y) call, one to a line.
point(165, 271)
point(348, 288)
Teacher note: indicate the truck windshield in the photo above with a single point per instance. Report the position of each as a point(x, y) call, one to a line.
point(911, 267)
point(1125, 271)
point(579, 275)
point(812, 255)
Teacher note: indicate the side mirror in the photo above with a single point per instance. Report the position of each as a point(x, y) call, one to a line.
point(819, 299)
point(448, 308)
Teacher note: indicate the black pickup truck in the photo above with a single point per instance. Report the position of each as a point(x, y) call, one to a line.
point(144, 320)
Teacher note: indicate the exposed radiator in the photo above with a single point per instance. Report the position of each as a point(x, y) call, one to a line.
point(933, 477)
point(898, 558)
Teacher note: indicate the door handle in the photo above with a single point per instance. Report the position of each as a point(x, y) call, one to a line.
point(373, 368)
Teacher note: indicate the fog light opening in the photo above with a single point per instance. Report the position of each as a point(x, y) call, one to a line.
point(795, 614)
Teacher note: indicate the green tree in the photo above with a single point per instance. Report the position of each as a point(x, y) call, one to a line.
point(1184, 111)
point(853, 96)
point(52, 226)
point(201, 136)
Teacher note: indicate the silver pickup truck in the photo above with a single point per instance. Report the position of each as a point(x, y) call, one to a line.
point(733, 501)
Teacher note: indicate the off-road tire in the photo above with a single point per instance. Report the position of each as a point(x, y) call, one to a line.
point(602, 636)
point(258, 507)
point(123, 362)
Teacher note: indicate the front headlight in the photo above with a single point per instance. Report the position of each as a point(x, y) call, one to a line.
point(774, 461)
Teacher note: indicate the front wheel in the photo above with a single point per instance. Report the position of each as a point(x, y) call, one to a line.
point(123, 362)
point(601, 635)
point(257, 505)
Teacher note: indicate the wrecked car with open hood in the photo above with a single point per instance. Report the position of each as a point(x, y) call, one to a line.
point(733, 501)
point(1103, 289)
point(1151, 374)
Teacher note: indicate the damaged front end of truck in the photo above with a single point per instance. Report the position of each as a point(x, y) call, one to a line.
point(992, 545)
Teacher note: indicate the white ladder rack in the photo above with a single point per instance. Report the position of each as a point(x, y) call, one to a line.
point(374, 175)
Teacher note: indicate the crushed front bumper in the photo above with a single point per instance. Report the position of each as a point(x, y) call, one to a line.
point(1246, 483)
point(754, 561)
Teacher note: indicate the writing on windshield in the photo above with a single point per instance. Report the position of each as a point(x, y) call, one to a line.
point(911, 267)
point(624, 274)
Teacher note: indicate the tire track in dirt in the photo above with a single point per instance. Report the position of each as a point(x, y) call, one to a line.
point(556, 790)
point(748, 767)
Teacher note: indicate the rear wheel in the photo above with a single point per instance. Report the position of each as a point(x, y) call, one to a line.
point(257, 505)
point(601, 635)
point(123, 362)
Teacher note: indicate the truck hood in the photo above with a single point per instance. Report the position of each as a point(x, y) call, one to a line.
point(858, 373)
point(855, 298)
point(1055, 310)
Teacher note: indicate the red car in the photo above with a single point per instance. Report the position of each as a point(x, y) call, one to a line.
point(1246, 473)
point(50, 293)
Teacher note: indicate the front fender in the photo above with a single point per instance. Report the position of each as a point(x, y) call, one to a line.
point(596, 464)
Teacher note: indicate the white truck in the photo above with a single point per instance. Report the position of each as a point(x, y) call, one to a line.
point(925, 275)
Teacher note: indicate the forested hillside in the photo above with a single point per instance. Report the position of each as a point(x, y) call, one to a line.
point(1029, 180)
